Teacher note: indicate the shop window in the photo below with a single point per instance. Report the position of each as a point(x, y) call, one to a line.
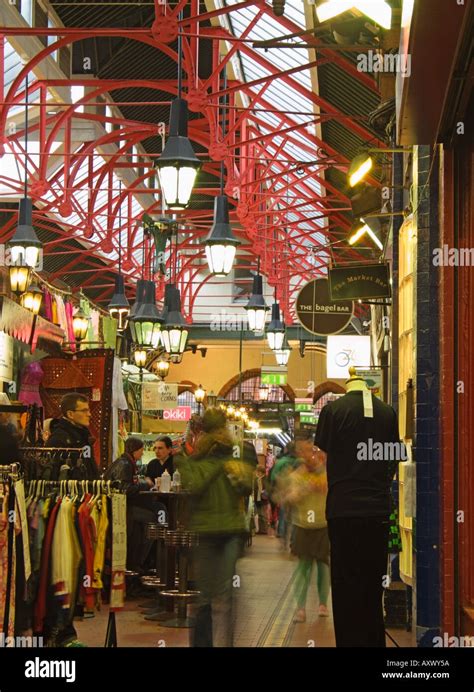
point(251, 392)
point(187, 399)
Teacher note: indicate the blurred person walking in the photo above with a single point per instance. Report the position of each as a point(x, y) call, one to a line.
point(306, 491)
point(219, 476)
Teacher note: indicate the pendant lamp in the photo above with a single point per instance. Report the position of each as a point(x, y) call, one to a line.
point(174, 333)
point(275, 329)
point(257, 307)
point(283, 354)
point(221, 244)
point(140, 294)
point(147, 320)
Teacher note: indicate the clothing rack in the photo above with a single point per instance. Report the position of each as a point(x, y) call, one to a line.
point(9, 471)
point(69, 486)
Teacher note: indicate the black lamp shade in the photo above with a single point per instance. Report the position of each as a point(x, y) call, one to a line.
point(221, 244)
point(25, 245)
point(257, 307)
point(276, 329)
point(178, 165)
point(283, 354)
point(119, 307)
point(174, 334)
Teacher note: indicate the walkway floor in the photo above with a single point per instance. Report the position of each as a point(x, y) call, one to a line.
point(264, 611)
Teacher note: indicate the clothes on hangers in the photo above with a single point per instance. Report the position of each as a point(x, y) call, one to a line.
point(31, 377)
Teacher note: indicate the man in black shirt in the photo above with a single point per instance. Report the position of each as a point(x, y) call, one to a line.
point(362, 454)
point(72, 431)
point(163, 461)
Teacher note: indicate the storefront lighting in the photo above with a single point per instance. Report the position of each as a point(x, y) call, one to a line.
point(256, 307)
point(221, 244)
point(379, 11)
point(119, 307)
point(264, 392)
point(31, 299)
point(174, 333)
point(139, 356)
point(359, 168)
point(162, 368)
point(230, 412)
point(80, 325)
point(361, 231)
point(276, 329)
point(147, 320)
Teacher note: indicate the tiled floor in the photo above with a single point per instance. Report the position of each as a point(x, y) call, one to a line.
point(264, 611)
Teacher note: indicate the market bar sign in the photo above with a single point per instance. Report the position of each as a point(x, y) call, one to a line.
point(360, 281)
point(318, 313)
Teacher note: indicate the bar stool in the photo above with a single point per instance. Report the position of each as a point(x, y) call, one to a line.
point(157, 579)
point(183, 541)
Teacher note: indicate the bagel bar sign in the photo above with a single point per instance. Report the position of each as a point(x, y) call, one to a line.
point(320, 315)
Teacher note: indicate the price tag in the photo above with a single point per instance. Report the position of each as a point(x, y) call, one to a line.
point(368, 407)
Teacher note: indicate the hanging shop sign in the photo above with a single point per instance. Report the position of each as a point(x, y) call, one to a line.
point(274, 375)
point(318, 313)
point(373, 379)
point(345, 351)
point(305, 407)
point(360, 281)
point(158, 396)
point(304, 404)
point(181, 413)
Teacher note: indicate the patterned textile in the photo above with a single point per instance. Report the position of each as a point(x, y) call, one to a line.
point(90, 373)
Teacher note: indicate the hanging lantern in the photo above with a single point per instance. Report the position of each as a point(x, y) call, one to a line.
point(256, 307)
point(19, 278)
point(31, 299)
point(25, 245)
point(178, 165)
point(221, 244)
point(141, 284)
point(80, 325)
point(174, 333)
point(139, 356)
point(147, 320)
point(283, 354)
point(276, 329)
point(162, 368)
point(119, 307)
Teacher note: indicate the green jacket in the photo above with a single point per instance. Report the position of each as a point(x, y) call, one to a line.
point(218, 482)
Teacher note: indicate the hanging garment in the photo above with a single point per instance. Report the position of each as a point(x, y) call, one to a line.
point(47, 305)
point(65, 556)
point(62, 316)
point(69, 320)
point(40, 605)
point(119, 402)
point(31, 377)
point(4, 550)
point(99, 557)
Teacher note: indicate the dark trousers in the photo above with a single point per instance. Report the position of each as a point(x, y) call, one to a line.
point(359, 554)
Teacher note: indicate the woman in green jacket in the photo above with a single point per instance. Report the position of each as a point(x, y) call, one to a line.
point(219, 477)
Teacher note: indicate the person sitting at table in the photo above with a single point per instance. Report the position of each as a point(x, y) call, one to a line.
point(163, 462)
point(139, 512)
